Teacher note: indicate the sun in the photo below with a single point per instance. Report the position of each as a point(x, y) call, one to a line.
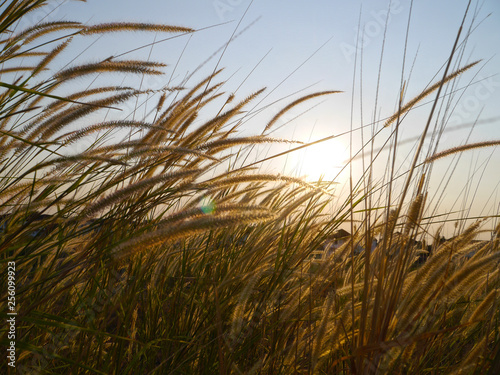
point(323, 161)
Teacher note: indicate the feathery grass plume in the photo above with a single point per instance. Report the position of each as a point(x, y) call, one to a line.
point(221, 144)
point(178, 124)
point(243, 192)
point(415, 299)
point(136, 187)
point(64, 161)
point(78, 134)
point(29, 54)
point(457, 149)
point(49, 127)
point(161, 101)
point(17, 69)
point(295, 103)
point(292, 206)
point(484, 284)
point(50, 56)
point(470, 363)
point(461, 253)
point(479, 313)
point(238, 315)
point(222, 181)
point(31, 34)
point(391, 220)
point(162, 90)
point(414, 213)
point(320, 333)
point(16, 10)
point(428, 274)
point(184, 111)
point(468, 274)
point(180, 115)
point(14, 189)
point(186, 98)
point(200, 224)
point(218, 121)
point(122, 66)
point(42, 204)
point(107, 28)
point(196, 212)
point(158, 151)
point(230, 98)
point(187, 104)
point(464, 238)
point(52, 108)
point(426, 92)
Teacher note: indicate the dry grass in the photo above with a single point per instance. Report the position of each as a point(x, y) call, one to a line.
point(121, 270)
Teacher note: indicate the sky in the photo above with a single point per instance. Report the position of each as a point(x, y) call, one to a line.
point(299, 47)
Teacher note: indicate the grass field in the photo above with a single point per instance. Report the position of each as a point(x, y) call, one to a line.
point(161, 254)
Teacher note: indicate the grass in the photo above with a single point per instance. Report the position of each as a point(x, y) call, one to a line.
point(121, 270)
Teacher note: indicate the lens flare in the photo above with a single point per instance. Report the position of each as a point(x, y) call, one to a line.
point(207, 206)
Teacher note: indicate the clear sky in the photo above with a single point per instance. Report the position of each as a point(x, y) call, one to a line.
point(311, 46)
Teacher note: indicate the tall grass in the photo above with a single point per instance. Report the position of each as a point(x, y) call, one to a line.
point(156, 255)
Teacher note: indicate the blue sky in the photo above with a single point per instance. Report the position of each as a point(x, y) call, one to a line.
point(311, 46)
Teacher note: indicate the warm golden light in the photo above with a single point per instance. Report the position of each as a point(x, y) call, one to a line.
point(321, 161)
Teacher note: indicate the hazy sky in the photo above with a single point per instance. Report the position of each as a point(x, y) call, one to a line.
point(295, 45)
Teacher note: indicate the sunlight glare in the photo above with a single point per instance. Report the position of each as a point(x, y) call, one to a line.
point(321, 161)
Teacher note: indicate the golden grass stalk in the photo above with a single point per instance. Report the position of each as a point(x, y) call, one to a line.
point(51, 56)
point(17, 69)
point(106, 28)
point(77, 135)
point(195, 212)
point(295, 103)
point(49, 127)
point(10, 192)
point(320, 333)
point(198, 224)
point(65, 161)
point(421, 287)
point(194, 276)
point(29, 54)
point(124, 66)
point(426, 92)
point(217, 122)
point(484, 284)
point(30, 34)
point(468, 273)
point(186, 98)
point(414, 213)
point(54, 106)
point(292, 206)
point(469, 364)
point(479, 313)
point(463, 239)
point(219, 144)
point(238, 315)
point(159, 151)
point(137, 187)
point(462, 148)
point(161, 101)
point(221, 182)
